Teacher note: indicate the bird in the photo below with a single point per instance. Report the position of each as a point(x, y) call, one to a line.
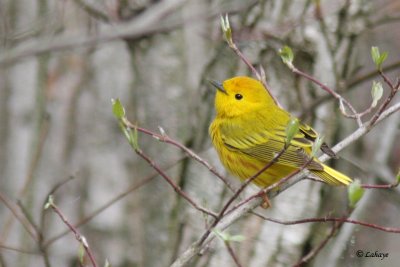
point(249, 129)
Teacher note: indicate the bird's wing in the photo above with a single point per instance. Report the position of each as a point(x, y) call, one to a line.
point(264, 143)
point(311, 134)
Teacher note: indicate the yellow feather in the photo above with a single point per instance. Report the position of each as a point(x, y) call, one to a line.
point(249, 129)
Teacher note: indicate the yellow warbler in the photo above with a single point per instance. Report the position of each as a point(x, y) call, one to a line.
point(250, 129)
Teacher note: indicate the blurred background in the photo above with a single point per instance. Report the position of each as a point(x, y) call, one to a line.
point(61, 63)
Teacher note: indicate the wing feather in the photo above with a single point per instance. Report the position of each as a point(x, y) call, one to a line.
point(264, 143)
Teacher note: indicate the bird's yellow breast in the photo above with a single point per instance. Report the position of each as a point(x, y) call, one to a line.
point(242, 165)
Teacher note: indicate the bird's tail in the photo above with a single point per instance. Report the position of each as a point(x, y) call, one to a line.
point(332, 176)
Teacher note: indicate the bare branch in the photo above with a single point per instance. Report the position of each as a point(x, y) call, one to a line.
point(342, 100)
point(340, 220)
point(153, 20)
point(230, 218)
point(19, 250)
point(173, 185)
point(25, 223)
point(233, 254)
point(81, 239)
point(166, 139)
point(97, 211)
point(318, 248)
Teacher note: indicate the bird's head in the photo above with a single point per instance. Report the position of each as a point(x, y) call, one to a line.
point(240, 95)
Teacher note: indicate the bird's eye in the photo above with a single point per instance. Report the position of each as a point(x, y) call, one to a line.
point(238, 96)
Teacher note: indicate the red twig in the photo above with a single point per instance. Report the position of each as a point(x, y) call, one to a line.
point(341, 220)
point(251, 179)
point(355, 115)
point(393, 90)
point(233, 254)
point(275, 185)
point(237, 193)
point(379, 186)
point(318, 248)
point(30, 229)
point(19, 250)
point(172, 184)
point(260, 75)
point(166, 139)
point(81, 239)
point(90, 216)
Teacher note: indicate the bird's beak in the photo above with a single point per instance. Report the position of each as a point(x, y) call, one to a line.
point(219, 86)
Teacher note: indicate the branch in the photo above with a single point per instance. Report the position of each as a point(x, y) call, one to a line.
point(340, 220)
point(173, 185)
point(106, 205)
point(92, 11)
point(81, 239)
point(154, 20)
point(317, 249)
point(227, 30)
point(233, 254)
point(393, 90)
point(19, 250)
point(166, 139)
point(342, 100)
point(238, 192)
point(352, 84)
point(230, 218)
point(30, 229)
point(380, 186)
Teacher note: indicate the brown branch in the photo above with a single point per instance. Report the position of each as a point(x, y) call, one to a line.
point(126, 127)
point(172, 184)
point(340, 220)
point(19, 250)
point(238, 192)
point(259, 74)
point(155, 20)
point(92, 11)
point(133, 187)
point(379, 186)
point(30, 229)
point(268, 189)
point(81, 239)
point(166, 139)
point(230, 218)
point(311, 254)
point(341, 99)
point(233, 254)
point(352, 84)
point(370, 75)
point(393, 90)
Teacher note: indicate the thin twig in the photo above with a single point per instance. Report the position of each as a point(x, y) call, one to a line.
point(352, 84)
point(19, 250)
point(233, 254)
point(166, 139)
point(238, 192)
point(30, 229)
point(379, 186)
point(268, 189)
point(341, 99)
point(259, 74)
point(342, 220)
point(393, 90)
point(155, 20)
point(230, 218)
point(173, 185)
point(106, 205)
point(81, 239)
point(92, 11)
point(311, 254)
